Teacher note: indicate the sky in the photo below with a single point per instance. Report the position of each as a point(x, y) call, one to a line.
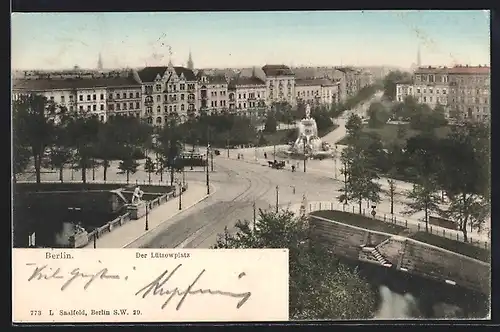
point(243, 39)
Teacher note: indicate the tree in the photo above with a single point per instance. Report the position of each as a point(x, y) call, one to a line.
point(354, 125)
point(391, 80)
point(83, 131)
point(360, 177)
point(378, 116)
point(128, 165)
point(424, 199)
point(34, 118)
point(270, 124)
point(320, 287)
point(170, 145)
point(149, 167)
point(20, 152)
point(465, 175)
point(402, 131)
point(160, 166)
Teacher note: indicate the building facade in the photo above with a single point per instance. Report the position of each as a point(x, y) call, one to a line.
point(125, 98)
point(168, 92)
point(214, 95)
point(280, 84)
point(470, 92)
point(317, 92)
point(247, 96)
point(83, 95)
point(463, 91)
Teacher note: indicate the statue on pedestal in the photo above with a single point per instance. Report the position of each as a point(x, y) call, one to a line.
point(137, 196)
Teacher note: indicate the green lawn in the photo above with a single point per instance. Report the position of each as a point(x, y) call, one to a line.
point(360, 221)
point(463, 248)
point(389, 133)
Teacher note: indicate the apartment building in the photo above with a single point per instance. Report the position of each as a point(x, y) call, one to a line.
point(470, 92)
point(168, 91)
point(85, 95)
point(352, 84)
point(124, 98)
point(280, 84)
point(317, 92)
point(247, 96)
point(462, 90)
point(214, 95)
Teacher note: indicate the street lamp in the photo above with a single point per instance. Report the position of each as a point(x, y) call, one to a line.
point(374, 213)
point(146, 227)
point(277, 199)
point(208, 176)
point(335, 161)
point(211, 160)
point(180, 193)
point(305, 155)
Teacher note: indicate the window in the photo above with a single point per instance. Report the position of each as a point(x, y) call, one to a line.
point(425, 90)
point(244, 96)
point(165, 97)
point(118, 107)
point(182, 96)
point(182, 86)
point(88, 97)
point(158, 109)
point(158, 98)
point(215, 103)
point(437, 91)
point(182, 107)
point(137, 95)
point(425, 99)
point(175, 108)
point(94, 97)
point(131, 95)
point(81, 108)
point(88, 108)
point(244, 105)
point(430, 99)
point(239, 96)
point(430, 90)
point(131, 106)
point(418, 90)
point(117, 96)
point(170, 108)
point(110, 96)
point(71, 108)
point(137, 105)
point(102, 118)
point(102, 107)
point(102, 96)
point(149, 110)
point(111, 107)
point(158, 87)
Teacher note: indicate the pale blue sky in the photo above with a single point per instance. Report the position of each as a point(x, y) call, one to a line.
point(237, 39)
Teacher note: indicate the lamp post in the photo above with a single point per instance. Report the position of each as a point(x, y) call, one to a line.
point(93, 169)
point(211, 161)
point(277, 199)
point(146, 227)
point(227, 147)
point(180, 194)
point(254, 214)
point(335, 162)
point(305, 155)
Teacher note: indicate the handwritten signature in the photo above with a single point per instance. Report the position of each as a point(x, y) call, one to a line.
point(156, 288)
point(46, 273)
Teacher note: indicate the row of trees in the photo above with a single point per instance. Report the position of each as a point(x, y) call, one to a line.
point(419, 116)
point(457, 165)
point(43, 130)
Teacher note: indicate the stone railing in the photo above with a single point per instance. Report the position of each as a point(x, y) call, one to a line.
point(409, 223)
point(119, 221)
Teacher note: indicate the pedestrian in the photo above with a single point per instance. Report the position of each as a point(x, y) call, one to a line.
point(265, 155)
point(293, 168)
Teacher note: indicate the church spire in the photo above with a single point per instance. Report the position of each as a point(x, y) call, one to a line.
point(99, 62)
point(419, 64)
point(190, 64)
point(170, 62)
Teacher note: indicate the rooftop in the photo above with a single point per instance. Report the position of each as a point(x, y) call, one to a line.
point(457, 70)
point(314, 82)
point(72, 83)
point(277, 70)
point(148, 74)
point(241, 80)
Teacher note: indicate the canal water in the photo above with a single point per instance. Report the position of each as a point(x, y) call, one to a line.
point(404, 296)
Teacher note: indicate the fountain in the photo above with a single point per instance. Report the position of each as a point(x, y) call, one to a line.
point(308, 142)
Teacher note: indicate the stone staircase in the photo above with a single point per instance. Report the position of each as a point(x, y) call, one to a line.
point(376, 256)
